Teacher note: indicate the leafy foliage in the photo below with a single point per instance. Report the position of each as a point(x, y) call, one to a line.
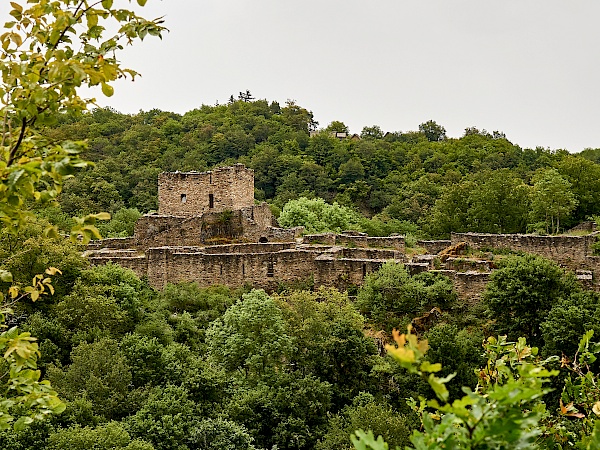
point(523, 291)
point(391, 294)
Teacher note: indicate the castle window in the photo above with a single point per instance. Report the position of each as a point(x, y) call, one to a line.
point(270, 269)
point(211, 201)
point(183, 198)
point(364, 270)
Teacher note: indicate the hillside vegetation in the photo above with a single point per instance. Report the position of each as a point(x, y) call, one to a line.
point(417, 181)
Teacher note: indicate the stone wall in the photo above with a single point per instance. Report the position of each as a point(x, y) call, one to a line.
point(152, 224)
point(251, 224)
point(469, 285)
point(320, 238)
point(569, 251)
point(261, 270)
point(260, 265)
point(434, 247)
point(116, 243)
point(193, 193)
point(360, 240)
point(395, 242)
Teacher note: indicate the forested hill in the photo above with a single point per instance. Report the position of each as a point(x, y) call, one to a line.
point(419, 180)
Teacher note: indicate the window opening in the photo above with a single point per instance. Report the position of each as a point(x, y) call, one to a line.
point(211, 201)
point(243, 269)
point(183, 198)
point(270, 269)
point(364, 270)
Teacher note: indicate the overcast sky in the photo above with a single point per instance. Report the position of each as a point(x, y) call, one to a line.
point(529, 68)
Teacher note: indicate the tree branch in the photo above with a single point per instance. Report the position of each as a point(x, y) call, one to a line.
point(13, 151)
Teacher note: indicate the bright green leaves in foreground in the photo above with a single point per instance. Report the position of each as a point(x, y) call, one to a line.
point(22, 382)
point(48, 52)
point(507, 409)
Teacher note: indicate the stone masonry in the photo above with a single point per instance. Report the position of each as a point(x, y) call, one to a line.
point(193, 193)
point(209, 231)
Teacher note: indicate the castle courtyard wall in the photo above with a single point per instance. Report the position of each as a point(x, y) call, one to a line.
point(569, 251)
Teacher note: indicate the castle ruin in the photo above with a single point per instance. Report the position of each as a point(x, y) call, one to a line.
point(209, 230)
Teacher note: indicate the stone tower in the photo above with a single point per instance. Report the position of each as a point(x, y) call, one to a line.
point(186, 194)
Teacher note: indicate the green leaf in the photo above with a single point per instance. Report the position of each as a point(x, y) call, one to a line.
point(107, 89)
point(141, 2)
point(22, 423)
point(101, 216)
point(107, 4)
point(6, 276)
point(16, 6)
point(426, 366)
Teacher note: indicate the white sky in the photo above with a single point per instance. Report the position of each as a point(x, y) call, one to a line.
point(530, 68)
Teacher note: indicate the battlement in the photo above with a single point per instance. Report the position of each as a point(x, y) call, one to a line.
point(187, 194)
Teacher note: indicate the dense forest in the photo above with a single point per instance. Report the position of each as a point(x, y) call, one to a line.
point(215, 368)
point(421, 182)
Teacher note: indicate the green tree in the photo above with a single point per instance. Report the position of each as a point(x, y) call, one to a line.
point(552, 199)
point(391, 295)
point(584, 177)
point(327, 335)
point(286, 411)
point(98, 372)
point(337, 127)
point(317, 216)
point(48, 52)
point(568, 320)
point(365, 412)
point(111, 436)
point(523, 291)
point(251, 336)
point(505, 412)
point(373, 132)
point(432, 131)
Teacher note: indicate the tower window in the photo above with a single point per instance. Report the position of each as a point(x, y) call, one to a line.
point(183, 198)
point(211, 201)
point(270, 269)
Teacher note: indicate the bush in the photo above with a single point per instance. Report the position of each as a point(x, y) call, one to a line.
point(391, 293)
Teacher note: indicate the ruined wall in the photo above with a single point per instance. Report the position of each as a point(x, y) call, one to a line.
point(569, 251)
point(116, 243)
point(192, 193)
point(360, 240)
point(284, 234)
point(469, 285)
point(320, 238)
point(152, 224)
point(193, 231)
point(369, 253)
point(261, 270)
point(343, 272)
point(395, 242)
point(248, 224)
point(434, 247)
point(469, 264)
